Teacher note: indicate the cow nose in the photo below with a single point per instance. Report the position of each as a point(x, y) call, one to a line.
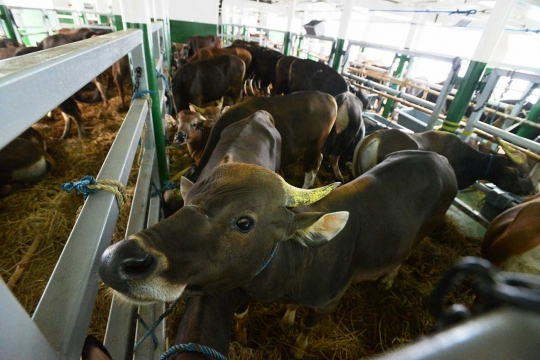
point(180, 138)
point(124, 262)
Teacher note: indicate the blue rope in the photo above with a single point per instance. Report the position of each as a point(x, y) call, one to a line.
point(140, 94)
point(192, 347)
point(489, 166)
point(449, 12)
point(81, 186)
point(269, 259)
point(154, 337)
point(160, 75)
point(167, 185)
point(159, 320)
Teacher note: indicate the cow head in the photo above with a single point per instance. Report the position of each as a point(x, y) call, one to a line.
point(221, 238)
point(212, 112)
point(187, 121)
point(514, 171)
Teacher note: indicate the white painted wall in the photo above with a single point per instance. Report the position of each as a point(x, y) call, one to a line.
point(203, 11)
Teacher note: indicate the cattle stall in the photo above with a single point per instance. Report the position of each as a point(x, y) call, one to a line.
point(59, 324)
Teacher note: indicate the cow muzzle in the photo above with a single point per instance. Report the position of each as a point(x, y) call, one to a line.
point(124, 264)
point(180, 138)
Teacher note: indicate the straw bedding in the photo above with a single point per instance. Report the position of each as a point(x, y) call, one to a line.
point(368, 320)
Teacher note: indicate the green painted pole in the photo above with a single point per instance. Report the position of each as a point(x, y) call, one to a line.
point(338, 54)
point(117, 21)
point(389, 105)
point(9, 26)
point(527, 131)
point(299, 50)
point(156, 111)
point(287, 43)
point(463, 96)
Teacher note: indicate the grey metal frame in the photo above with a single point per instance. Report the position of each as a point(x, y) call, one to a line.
point(482, 99)
point(60, 322)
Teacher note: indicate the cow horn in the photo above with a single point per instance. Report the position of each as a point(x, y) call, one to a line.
point(298, 197)
point(219, 103)
point(515, 155)
point(196, 108)
point(250, 87)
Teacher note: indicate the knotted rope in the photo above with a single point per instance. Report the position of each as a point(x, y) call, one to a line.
point(144, 94)
point(88, 186)
point(165, 80)
point(150, 331)
point(192, 347)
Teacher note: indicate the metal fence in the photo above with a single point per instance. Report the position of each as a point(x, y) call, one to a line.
point(59, 325)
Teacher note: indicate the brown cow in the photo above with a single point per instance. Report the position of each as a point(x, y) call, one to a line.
point(209, 53)
point(510, 172)
point(195, 43)
point(512, 239)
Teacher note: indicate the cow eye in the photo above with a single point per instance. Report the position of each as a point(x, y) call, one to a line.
point(245, 224)
point(194, 125)
point(522, 176)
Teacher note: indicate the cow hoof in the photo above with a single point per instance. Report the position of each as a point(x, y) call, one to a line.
point(298, 353)
point(300, 345)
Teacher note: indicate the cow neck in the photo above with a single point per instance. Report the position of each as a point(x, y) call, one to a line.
point(269, 259)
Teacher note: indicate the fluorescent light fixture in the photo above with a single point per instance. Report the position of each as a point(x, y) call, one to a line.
point(391, 16)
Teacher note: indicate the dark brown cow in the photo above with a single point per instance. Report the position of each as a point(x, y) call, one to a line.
point(203, 81)
point(311, 75)
point(209, 53)
point(120, 71)
point(512, 239)
point(348, 127)
point(195, 43)
point(304, 120)
point(237, 230)
point(510, 172)
point(282, 75)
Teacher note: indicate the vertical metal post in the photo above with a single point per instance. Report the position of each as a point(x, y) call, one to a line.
point(398, 73)
point(519, 105)
point(346, 14)
point(47, 22)
point(527, 131)
point(290, 20)
point(136, 13)
point(447, 87)
point(481, 102)
point(492, 32)
point(7, 22)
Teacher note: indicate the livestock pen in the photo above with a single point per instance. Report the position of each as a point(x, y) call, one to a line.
point(59, 323)
point(368, 321)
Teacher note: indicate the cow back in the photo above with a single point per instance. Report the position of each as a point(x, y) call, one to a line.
point(253, 140)
point(311, 75)
point(303, 119)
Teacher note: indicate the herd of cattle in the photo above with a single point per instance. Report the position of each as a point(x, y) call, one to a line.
point(242, 232)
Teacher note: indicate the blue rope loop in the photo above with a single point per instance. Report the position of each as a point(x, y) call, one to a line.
point(140, 94)
point(81, 186)
point(192, 347)
point(167, 185)
point(269, 259)
point(161, 75)
point(153, 328)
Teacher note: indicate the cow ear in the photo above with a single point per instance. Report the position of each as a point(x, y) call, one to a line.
point(315, 229)
point(170, 119)
point(93, 349)
point(185, 185)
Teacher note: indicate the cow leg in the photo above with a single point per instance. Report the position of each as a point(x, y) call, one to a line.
point(240, 332)
point(334, 162)
point(288, 318)
point(310, 321)
point(388, 280)
point(119, 82)
point(67, 125)
point(311, 171)
point(102, 90)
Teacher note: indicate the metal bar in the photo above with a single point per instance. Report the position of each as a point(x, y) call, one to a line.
point(403, 51)
point(20, 75)
point(471, 212)
point(413, 99)
point(64, 310)
point(515, 139)
point(156, 25)
point(519, 105)
point(120, 332)
point(481, 102)
point(441, 99)
point(534, 78)
point(17, 326)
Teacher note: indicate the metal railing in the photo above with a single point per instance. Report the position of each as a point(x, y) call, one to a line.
point(59, 325)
